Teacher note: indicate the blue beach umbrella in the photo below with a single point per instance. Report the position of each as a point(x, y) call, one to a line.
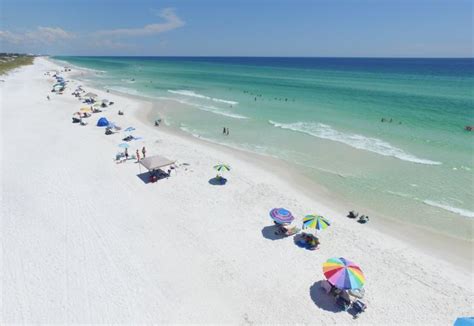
point(281, 216)
point(124, 145)
point(464, 321)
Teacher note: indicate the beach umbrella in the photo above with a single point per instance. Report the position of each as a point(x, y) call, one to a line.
point(464, 321)
point(317, 222)
point(343, 274)
point(281, 215)
point(85, 109)
point(124, 145)
point(222, 167)
point(129, 129)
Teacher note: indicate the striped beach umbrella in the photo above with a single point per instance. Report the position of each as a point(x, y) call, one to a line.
point(281, 215)
point(343, 274)
point(317, 222)
point(222, 167)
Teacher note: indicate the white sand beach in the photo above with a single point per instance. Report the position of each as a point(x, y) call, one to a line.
point(85, 240)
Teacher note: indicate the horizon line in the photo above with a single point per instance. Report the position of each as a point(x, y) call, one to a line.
point(245, 56)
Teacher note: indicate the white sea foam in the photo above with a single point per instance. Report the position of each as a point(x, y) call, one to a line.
point(216, 110)
point(185, 128)
point(208, 108)
point(396, 193)
point(124, 90)
point(336, 173)
point(456, 210)
point(193, 94)
point(354, 140)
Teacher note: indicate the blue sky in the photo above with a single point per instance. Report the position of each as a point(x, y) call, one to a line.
point(367, 28)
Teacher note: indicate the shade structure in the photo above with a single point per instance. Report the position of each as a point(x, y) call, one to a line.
point(124, 145)
point(343, 274)
point(155, 162)
point(85, 109)
point(129, 129)
point(317, 222)
point(281, 215)
point(222, 167)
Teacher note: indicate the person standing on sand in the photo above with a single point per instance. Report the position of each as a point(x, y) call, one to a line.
point(138, 156)
point(144, 152)
point(126, 154)
point(227, 132)
point(223, 130)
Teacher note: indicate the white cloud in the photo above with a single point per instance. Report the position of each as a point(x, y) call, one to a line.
point(109, 44)
point(10, 37)
point(106, 40)
point(41, 34)
point(171, 21)
point(49, 34)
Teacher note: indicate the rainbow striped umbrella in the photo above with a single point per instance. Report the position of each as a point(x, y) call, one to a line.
point(317, 222)
point(281, 215)
point(343, 274)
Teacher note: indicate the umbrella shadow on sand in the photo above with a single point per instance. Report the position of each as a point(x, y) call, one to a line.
point(218, 181)
point(268, 232)
point(322, 299)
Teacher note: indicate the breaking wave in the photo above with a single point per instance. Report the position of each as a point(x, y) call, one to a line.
point(374, 145)
point(456, 210)
point(124, 90)
point(193, 94)
point(207, 108)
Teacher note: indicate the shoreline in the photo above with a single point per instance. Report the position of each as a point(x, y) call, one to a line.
point(452, 249)
point(96, 244)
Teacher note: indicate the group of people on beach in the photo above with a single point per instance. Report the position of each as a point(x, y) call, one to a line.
point(225, 131)
point(137, 154)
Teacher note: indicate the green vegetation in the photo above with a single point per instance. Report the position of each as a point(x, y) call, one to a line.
point(9, 61)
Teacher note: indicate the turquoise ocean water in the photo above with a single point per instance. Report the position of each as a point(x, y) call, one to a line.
point(324, 115)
